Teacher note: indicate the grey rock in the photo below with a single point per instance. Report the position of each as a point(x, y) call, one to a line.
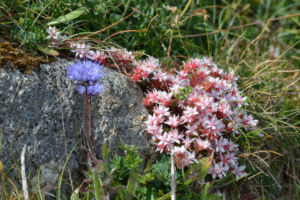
point(45, 112)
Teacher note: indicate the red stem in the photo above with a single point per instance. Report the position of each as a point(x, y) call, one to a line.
point(87, 131)
point(90, 119)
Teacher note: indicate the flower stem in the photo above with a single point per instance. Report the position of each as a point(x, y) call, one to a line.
point(90, 119)
point(173, 178)
point(87, 131)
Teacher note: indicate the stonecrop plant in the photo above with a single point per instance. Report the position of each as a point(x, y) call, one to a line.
point(194, 111)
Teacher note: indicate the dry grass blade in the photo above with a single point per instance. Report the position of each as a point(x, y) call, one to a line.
point(239, 26)
point(23, 173)
point(108, 27)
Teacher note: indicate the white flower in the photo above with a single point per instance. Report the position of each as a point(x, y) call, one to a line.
point(82, 50)
point(55, 36)
point(218, 170)
point(239, 171)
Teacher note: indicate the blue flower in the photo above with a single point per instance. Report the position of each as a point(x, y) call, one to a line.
point(86, 74)
point(92, 89)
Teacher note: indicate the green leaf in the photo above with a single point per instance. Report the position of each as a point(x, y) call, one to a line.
point(165, 197)
point(200, 168)
point(298, 189)
point(205, 193)
point(190, 180)
point(105, 151)
point(97, 186)
point(75, 194)
point(184, 93)
point(68, 17)
point(205, 163)
point(132, 184)
point(148, 167)
point(62, 173)
point(48, 51)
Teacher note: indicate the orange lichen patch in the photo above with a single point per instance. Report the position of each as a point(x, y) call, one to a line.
point(18, 59)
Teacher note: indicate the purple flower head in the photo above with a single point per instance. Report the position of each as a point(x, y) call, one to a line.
point(92, 89)
point(84, 72)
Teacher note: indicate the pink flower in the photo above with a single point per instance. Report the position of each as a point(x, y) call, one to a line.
point(121, 55)
point(189, 159)
point(175, 88)
point(249, 121)
point(239, 171)
point(200, 145)
point(154, 120)
point(181, 104)
point(203, 101)
point(138, 75)
point(221, 144)
point(54, 36)
point(240, 100)
point(161, 110)
point(231, 146)
point(98, 56)
point(192, 129)
point(231, 76)
point(187, 142)
point(160, 76)
point(224, 85)
point(179, 155)
point(149, 65)
point(164, 142)
point(126, 55)
point(173, 121)
point(229, 159)
point(218, 170)
point(213, 124)
point(175, 137)
point(182, 157)
point(165, 98)
point(52, 32)
point(81, 50)
point(182, 75)
point(196, 63)
point(189, 115)
point(146, 100)
point(206, 61)
point(224, 109)
point(153, 96)
point(155, 131)
point(216, 71)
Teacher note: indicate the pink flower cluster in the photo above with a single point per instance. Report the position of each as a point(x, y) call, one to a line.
point(83, 50)
point(203, 122)
point(120, 57)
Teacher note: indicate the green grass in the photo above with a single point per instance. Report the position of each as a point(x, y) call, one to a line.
point(237, 34)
